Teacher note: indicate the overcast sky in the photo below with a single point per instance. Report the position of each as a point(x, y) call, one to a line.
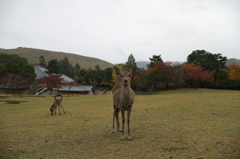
point(111, 30)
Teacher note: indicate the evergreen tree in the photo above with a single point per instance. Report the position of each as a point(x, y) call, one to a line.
point(42, 61)
point(131, 62)
point(77, 70)
point(207, 60)
point(16, 65)
point(53, 67)
point(97, 67)
point(98, 74)
point(66, 68)
point(108, 74)
point(155, 58)
point(210, 62)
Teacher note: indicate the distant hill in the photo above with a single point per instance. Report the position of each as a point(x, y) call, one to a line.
point(143, 64)
point(231, 61)
point(32, 55)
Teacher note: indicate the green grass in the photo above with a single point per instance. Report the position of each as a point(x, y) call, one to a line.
point(172, 124)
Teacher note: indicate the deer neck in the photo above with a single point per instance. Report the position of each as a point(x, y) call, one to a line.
point(126, 91)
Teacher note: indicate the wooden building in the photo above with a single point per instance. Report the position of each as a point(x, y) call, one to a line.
point(66, 88)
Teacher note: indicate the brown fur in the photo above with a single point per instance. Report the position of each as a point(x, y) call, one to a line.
point(123, 99)
point(57, 104)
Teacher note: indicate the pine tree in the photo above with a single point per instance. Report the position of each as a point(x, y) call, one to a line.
point(131, 62)
point(155, 58)
point(42, 61)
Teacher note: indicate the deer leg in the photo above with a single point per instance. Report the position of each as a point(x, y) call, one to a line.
point(114, 114)
point(51, 110)
point(62, 108)
point(59, 109)
point(123, 121)
point(128, 122)
point(54, 108)
point(117, 118)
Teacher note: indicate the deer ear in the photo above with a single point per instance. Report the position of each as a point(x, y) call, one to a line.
point(133, 71)
point(117, 70)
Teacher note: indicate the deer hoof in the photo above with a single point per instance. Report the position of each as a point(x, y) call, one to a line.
point(122, 138)
point(129, 138)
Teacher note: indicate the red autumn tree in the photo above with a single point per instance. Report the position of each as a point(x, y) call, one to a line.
point(196, 74)
point(20, 82)
point(160, 73)
point(11, 80)
point(51, 81)
point(206, 76)
point(192, 72)
point(141, 81)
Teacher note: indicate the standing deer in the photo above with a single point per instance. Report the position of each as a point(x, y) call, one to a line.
point(57, 104)
point(123, 99)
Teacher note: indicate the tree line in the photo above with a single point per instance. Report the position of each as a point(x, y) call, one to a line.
point(15, 72)
point(81, 75)
point(202, 69)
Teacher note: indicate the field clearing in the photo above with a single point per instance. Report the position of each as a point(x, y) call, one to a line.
point(171, 124)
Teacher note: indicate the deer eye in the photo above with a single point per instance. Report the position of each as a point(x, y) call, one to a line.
point(130, 76)
point(121, 75)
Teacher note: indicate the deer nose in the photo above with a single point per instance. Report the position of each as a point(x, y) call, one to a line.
point(125, 81)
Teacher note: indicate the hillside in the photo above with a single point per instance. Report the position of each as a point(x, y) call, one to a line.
point(231, 61)
point(32, 55)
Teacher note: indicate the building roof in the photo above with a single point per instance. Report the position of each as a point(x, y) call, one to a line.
point(41, 72)
point(75, 88)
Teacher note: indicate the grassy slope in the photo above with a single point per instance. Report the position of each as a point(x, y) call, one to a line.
point(184, 124)
point(33, 56)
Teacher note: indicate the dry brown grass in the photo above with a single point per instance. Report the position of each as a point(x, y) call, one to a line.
point(174, 124)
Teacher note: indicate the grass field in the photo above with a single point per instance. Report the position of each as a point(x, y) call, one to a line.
point(171, 124)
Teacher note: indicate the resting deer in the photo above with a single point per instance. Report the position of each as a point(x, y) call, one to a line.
point(57, 104)
point(123, 99)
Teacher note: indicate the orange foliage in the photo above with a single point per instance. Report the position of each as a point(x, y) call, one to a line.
point(234, 73)
point(197, 73)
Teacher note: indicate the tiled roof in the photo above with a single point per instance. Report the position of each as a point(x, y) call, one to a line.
point(76, 88)
point(41, 72)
